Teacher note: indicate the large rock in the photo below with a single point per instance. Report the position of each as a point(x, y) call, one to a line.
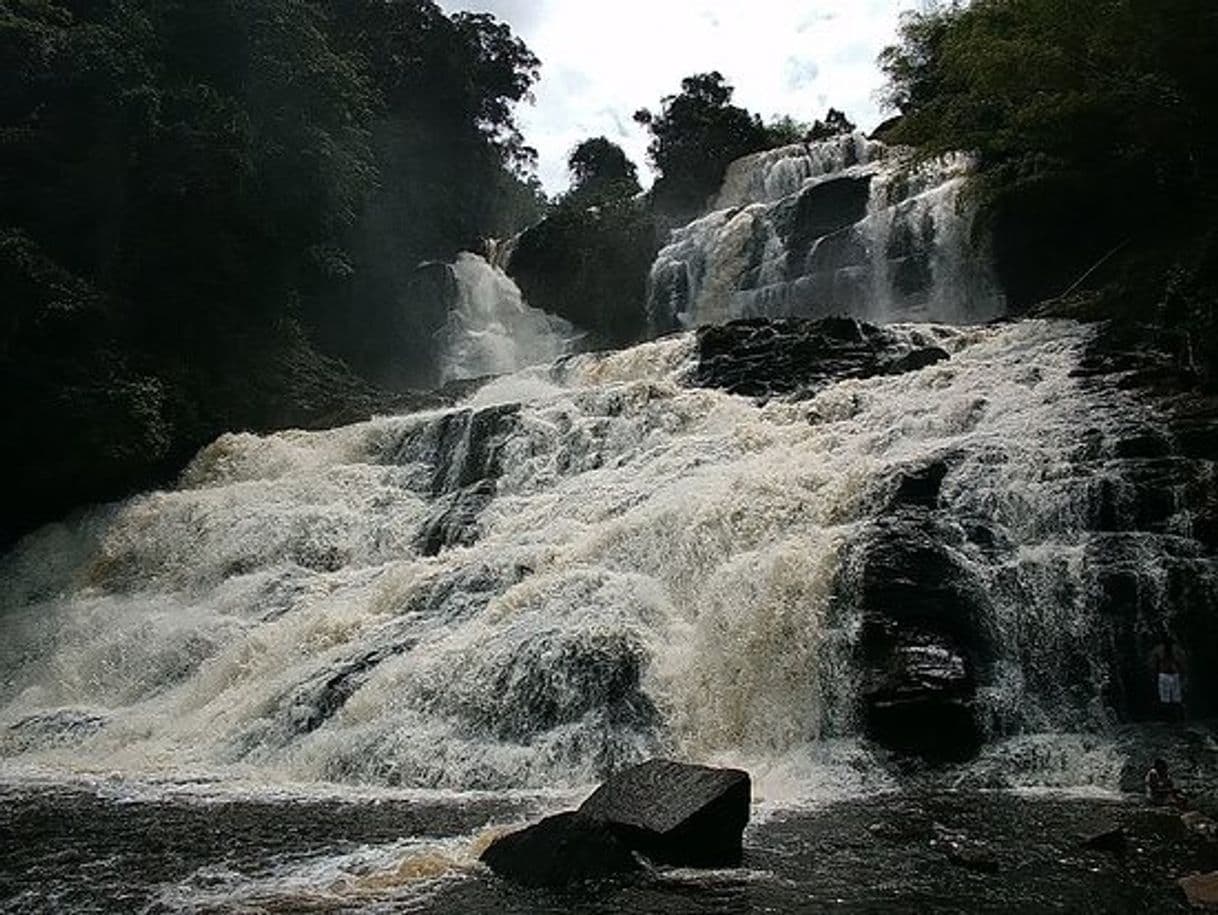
point(675, 813)
point(920, 702)
point(923, 641)
point(559, 851)
point(761, 357)
point(823, 209)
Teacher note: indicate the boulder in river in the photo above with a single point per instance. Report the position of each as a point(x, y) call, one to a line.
point(560, 850)
point(669, 812)
point(674, 813)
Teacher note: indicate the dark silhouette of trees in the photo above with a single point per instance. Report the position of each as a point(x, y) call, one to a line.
point(1094, 123)
point(835, 124)
point(695, 136)
point(600, 170)
point(203, 201)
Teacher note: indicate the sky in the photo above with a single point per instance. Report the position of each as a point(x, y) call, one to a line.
point(602, 61)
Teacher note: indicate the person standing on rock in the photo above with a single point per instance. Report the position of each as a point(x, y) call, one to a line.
point(1170, 665)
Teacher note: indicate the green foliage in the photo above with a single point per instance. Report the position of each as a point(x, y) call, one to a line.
point(695, 136)
point(1094, 123)
point(834, 125)
point(600, 171)
point(1103, 83)
point(452, 165)
point(786, 130)
point(199, 194)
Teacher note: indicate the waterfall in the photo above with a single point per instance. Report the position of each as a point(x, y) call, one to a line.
point(491, 330)
point(843, 226)
point(583, 564)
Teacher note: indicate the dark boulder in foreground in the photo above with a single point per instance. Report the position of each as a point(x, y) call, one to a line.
point(676, 813)
point(671, 813)
point(560, 850)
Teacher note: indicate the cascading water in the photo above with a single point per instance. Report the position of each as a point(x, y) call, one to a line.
point(842, 226)
point(491, 330)
point(579, 566)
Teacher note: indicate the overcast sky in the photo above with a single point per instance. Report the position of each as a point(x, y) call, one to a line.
point(601, 61)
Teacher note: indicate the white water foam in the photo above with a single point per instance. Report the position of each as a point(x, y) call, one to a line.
point(492, 330)
point(657, 573)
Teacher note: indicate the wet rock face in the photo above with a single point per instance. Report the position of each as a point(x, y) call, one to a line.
point(923, 637)
point(561, 850)
point(675, 813)
point(821, 210)
point(463, 453)
point(454, 520)
point(765, 358)
point(1159, 487)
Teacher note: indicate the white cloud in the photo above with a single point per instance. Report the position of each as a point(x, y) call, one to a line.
point(601, 62)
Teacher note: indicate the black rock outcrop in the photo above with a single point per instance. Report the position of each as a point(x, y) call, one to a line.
point(559, 851)
point(923, 640)
point(760, 357)
point(675, 813)
point(669, 812)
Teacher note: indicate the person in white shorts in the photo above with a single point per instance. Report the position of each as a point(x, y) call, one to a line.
point(1170, 665)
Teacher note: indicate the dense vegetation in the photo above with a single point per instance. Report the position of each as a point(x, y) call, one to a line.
point(1094, 122)
point(588, 260)
point(696, 134)
point(204, 202)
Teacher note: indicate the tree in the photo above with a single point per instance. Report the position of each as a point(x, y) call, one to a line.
point(202, 202)
point(786, 130)
point(835, 124)
point(600, 170)
point(695, 136)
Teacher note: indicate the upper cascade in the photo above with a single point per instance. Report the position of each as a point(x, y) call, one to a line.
point(842, 226)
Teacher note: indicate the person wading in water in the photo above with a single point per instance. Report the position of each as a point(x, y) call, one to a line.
point(1170, 665)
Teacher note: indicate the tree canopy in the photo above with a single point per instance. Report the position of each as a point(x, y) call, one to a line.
point(202, 201)
point(601, 170)
point(695, 136)
point(1094, 124)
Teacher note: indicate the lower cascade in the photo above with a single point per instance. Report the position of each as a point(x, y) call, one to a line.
point(772, 544)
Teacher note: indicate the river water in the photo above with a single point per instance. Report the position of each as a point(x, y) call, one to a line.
point(114, 846)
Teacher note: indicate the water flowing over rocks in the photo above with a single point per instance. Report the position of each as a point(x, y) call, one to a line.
point(491, 330)
point(759, 544)
point(842, 226)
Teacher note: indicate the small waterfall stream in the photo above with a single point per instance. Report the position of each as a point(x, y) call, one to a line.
point(491, 330)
